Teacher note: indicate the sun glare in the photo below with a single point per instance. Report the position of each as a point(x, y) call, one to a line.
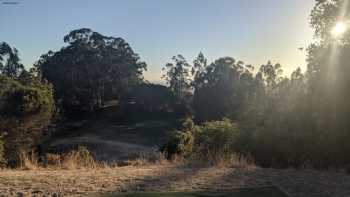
point(338, 29)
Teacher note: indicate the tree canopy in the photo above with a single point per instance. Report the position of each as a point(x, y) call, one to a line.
point(25, 112)
point(10, 65)
point(280, 120)
point(91, 69)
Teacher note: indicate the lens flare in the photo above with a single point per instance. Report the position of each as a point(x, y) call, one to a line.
point(339, 29)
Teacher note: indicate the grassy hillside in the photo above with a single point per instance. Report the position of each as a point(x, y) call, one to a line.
point(114, 134)
point(170, 178)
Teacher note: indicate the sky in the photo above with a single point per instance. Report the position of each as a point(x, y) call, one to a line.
point(253, 31)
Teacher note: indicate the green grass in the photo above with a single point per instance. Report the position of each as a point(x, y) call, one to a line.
point(261, 192)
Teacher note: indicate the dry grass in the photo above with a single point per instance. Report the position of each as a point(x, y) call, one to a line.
point(75, 159)
point(83, 159)
point(77, 173)
point(169, 177)
point(79, 159)
point(240, 161)
point(232, 160)
point(28, 161)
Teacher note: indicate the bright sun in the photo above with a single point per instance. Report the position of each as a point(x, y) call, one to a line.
point(338, 29)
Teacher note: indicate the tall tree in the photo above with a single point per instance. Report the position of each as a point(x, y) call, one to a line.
point(198, 71)
point(91, 69)
point(218, 92)
point(270, 74)
point(10, 65)
point(328, 75)
point(177, 76)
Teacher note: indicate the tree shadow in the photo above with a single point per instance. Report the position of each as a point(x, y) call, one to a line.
point(182, 177)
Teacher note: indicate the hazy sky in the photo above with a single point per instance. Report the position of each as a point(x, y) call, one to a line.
point(253, 31)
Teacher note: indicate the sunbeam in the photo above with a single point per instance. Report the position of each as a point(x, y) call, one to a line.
point(339, 29)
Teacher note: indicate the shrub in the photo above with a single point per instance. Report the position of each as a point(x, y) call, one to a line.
point(216, 140)
point(213, 141)
point(182, 141)
point(25, 111)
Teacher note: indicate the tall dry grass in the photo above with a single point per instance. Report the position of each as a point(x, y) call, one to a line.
point(75, 159)
point(235, 160)
point(28, 161)
point(82, 159)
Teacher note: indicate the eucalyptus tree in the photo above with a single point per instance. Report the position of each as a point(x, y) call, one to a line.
point(219, 91)
point(91, 69)
point(178, 77)
point(26, 107)
point(198, 70)
point(328, 77)
point(10, 65)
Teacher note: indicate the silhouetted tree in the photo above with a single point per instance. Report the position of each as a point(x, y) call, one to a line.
point(198, 71)
point(91, 69)
point(154, 98)
point(10, 65)
point(177, 76)
point(217, 89)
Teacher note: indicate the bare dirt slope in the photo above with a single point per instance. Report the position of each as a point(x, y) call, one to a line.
point(170, 177)
point(114, 135)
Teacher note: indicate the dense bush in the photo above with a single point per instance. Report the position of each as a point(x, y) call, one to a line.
point(216, 140)
point(182, 141)
point(213, 141)
point(25, 111)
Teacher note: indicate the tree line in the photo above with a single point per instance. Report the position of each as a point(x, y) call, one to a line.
point(301, 120)
point(298, 120)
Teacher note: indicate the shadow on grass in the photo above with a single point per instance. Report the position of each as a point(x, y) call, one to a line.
point(189, 181)
point(258, 192)
point(165, 179)
point(184, 177)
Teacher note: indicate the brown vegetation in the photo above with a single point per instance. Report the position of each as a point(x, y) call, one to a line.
point(169, 177)
point(75, 159)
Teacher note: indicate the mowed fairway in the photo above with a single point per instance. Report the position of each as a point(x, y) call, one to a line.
point(260, 192)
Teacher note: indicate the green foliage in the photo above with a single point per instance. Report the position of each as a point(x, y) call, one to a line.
point(25, 110)
point(10, 65)
point(296, 121)
point(20, 100)
point(177, 76)
point(220, 89)
point(212, 141)
point(92, 69)
point(216, 140)
point(182, 141)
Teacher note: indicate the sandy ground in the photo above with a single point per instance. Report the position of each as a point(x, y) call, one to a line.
point(170, 177)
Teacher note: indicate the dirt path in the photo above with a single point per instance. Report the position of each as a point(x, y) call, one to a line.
point(170, 178)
